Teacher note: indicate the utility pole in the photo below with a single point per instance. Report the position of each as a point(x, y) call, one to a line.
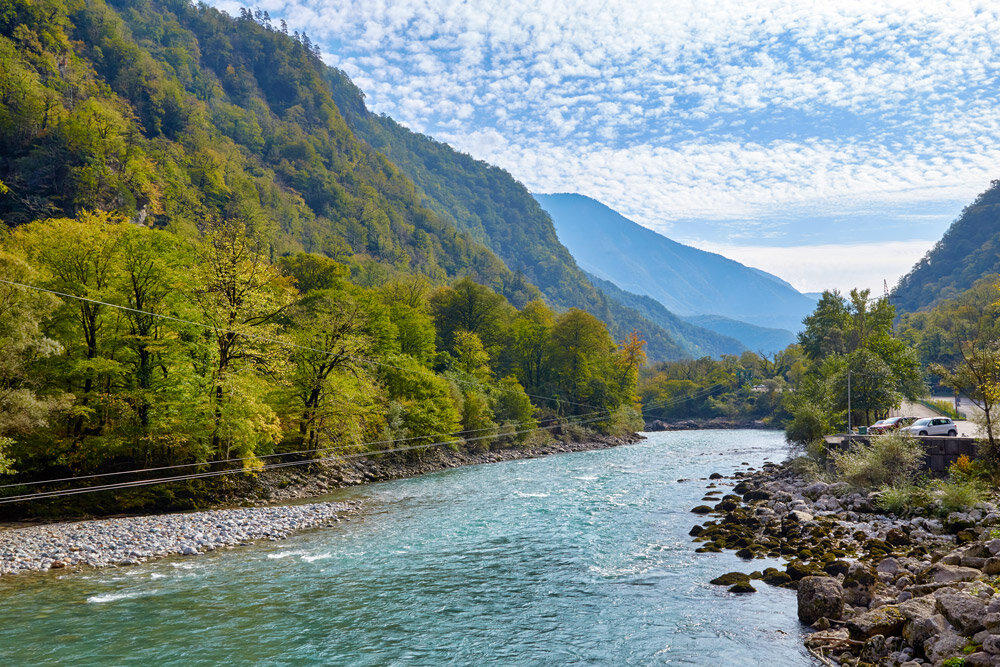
point(848, 404)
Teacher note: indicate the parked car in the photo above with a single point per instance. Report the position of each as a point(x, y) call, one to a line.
point(890, 424)
point(932, 426)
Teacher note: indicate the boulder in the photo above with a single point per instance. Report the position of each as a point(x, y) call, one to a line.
point(859, 585)
point(731, 578)
point(992, 566)
point(799, 516)
point(947, 644)
point(992, 645)
point(742, 587)
point(889, 566)
point(819, 597)
point(942, 573)
point(887, 620)
point(965, 612)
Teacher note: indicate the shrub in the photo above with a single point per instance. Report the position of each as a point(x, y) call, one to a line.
point(804, 467)
point(807, 424)
point(889, 460)
point(903, 499)
point(959, 494)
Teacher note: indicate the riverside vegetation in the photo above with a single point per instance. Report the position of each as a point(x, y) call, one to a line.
point(258, 281)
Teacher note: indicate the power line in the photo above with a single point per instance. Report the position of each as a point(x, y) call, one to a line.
point(43, 495)
point(660, 404)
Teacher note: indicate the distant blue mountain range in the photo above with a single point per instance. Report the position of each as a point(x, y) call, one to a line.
point(687, 281)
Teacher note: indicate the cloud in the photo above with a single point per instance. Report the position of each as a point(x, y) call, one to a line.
point(815, 268)
point(738, 115)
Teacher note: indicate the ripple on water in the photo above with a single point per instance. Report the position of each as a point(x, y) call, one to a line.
point(509, 563)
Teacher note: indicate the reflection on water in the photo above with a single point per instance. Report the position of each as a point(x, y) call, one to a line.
point(577, 558)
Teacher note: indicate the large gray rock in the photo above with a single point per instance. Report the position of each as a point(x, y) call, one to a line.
point(859, 585)
point(965, 612)
point(992, 645)
point(918, 613)
point(942, 573)
point(819, 597)
point(886, 621)
point(945, 644)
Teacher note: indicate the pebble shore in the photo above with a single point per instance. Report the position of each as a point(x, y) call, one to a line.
point(133, 540)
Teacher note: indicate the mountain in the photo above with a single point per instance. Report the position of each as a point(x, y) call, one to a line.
point(177, 115)
point(757, 339)
point(489, 205)
point(686, 280)
point(968, 251)
point(696, 340)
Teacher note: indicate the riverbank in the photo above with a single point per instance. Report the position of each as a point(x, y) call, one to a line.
point(297, 483)
point(132, 540)
point(714, 423)
point(879, 589)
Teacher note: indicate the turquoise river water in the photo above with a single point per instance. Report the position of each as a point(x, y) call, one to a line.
point(578, 558)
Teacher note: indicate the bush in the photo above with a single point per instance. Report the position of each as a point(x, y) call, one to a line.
point(957, 495)
point(807, 424)
point(889, 460)
point(903, 499)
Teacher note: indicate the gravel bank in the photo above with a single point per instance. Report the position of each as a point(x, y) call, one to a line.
point(133, 540)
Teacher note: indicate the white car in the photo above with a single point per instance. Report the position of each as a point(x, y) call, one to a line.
point(931, 426)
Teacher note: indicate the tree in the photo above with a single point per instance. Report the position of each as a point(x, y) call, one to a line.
point(240, 296)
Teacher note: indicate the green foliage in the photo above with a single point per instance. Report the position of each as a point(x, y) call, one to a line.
point(750, 386)
point(959, 495)
point(967, 252)
point(808, 424)
point(889, 460)
point(904, 498)
point(283, 286)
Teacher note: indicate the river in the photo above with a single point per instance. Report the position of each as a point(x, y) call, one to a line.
point(569, 559)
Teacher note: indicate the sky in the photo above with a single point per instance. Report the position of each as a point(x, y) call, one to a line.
point(830, 143)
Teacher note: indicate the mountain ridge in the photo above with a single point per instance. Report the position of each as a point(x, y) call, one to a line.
point(686, 280)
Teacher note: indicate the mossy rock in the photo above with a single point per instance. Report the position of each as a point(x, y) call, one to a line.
point(741, 488)
point(745, 553)
point(756, 575)
point(796, 570)
point(836, 567)
point(696, 530)
point(964, 537)
point(775, 577)
point(731, 578)
point(727, 506)
point(743, 587)
point(701, 509)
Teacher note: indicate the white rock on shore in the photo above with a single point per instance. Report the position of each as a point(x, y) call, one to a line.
point(132, 540)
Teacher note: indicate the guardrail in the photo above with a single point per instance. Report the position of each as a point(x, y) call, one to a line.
point(941, 451)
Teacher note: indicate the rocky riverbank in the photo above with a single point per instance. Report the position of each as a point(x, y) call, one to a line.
point(293, 483)
point(133, 540)
point(878, 589)
point(720, 423)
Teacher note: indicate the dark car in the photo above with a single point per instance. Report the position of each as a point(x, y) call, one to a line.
point(890, 424)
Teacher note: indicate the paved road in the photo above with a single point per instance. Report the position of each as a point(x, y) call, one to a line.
point(965, 428)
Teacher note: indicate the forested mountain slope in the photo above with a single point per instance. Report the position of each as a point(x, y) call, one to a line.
point(764, 340)
point(686, 280)
point(176, 115)
point(488, 203)
point(202, 264)
point(969, 250)
point(697, 341)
